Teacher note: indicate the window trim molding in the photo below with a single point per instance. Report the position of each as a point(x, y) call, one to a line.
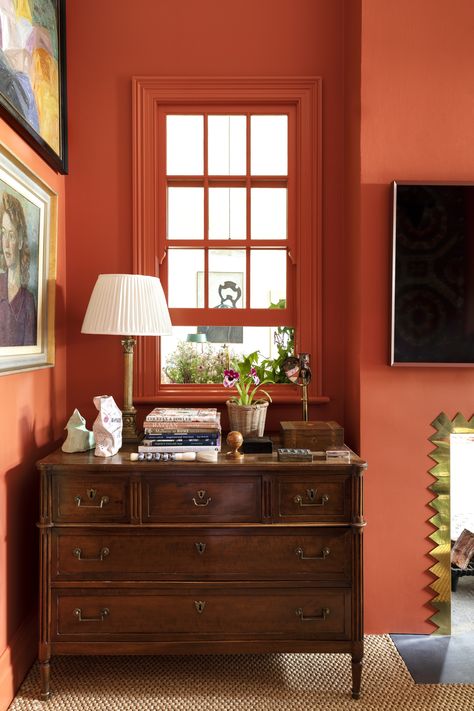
point(304, 93)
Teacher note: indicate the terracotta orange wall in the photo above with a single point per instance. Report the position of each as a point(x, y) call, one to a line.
point(108, 43)
point(417, 111)
point(31, 420)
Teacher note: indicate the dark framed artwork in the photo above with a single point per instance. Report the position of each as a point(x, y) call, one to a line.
point(433, 274)
point(33, 75)
point(28, 234)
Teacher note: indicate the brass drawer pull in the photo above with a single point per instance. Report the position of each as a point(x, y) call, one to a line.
point(201, 494)
point(103, 614)
point(77, 553)
point(311, 494)
point(103, 501)
point(324, 554)
point(324, 613)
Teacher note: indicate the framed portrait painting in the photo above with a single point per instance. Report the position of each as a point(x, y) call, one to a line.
point(33, 75)
point(28, 226)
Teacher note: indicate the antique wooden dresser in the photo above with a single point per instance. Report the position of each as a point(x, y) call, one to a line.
point(251, 556)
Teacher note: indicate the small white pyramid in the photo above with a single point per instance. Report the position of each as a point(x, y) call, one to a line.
point(79, 438)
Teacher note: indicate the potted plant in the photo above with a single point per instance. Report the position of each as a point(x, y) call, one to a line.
point(247, 413)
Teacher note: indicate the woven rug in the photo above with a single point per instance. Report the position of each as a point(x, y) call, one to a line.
point(273, 682)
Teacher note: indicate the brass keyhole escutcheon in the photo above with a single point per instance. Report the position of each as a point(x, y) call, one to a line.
point(201, 547)
point(201, 493)
point(311, 495)
point(200, 605)
point(91, 493)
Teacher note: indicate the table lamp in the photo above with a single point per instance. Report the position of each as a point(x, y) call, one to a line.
point(127, 305)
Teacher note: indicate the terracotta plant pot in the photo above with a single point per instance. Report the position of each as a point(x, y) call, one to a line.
point(247, 419)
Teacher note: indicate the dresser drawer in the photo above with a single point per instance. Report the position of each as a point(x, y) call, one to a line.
point(91, 499)
point(226, 554)
point(193, 498)
point(323, 498)
point(200, 614)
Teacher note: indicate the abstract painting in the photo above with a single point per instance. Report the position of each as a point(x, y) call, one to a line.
point(32, 75)
point(28, 210)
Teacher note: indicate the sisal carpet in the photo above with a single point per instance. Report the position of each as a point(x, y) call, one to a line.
point(273, 682)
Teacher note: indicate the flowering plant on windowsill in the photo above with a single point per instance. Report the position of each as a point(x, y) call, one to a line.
point(243, 376)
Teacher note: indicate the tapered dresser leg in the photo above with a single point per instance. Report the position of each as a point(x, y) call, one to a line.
point(356, 675)
point(44, 679)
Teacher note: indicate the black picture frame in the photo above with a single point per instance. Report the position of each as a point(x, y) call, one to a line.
point(17, 120)
point(432, 304)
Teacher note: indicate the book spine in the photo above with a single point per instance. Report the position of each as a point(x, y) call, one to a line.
point(182, 431)
point(186, 428)
point(170, 414)
point(174, 432)
point(178, 448)
point(180, 418)
point(196, 434)
point(180, 440)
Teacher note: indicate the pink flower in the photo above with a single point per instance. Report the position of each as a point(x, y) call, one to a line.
point(230, 378)
point(254, 376)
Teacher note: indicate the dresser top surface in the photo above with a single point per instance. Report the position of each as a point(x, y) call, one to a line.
point(121, 461)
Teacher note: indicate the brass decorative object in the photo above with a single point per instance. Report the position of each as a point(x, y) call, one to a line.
point(297, 370)
point(441, 520)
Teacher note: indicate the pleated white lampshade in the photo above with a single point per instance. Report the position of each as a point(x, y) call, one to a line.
point(127, 305)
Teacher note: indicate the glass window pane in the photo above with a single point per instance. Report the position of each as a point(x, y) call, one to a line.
point(227, 278)
point(186, 362)
point(227, 145)
point(269, 145)
point(227, 213)
point(184, 145)
point(267, 278)
point(268, 213)
point(185, 213)
point(184, 267)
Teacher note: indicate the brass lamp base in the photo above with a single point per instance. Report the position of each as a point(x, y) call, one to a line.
point(129, 413)
point(129, 429)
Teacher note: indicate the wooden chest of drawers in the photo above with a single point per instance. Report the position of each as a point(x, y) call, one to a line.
point(179, 557)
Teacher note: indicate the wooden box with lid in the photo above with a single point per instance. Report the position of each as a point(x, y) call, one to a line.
point(313, 434)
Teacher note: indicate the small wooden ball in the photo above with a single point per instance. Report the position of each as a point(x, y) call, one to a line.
point(234, 440)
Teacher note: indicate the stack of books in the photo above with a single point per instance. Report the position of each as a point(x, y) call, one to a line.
point(183, 429)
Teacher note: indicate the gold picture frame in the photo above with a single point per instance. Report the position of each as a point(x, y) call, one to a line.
point(28, 236)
